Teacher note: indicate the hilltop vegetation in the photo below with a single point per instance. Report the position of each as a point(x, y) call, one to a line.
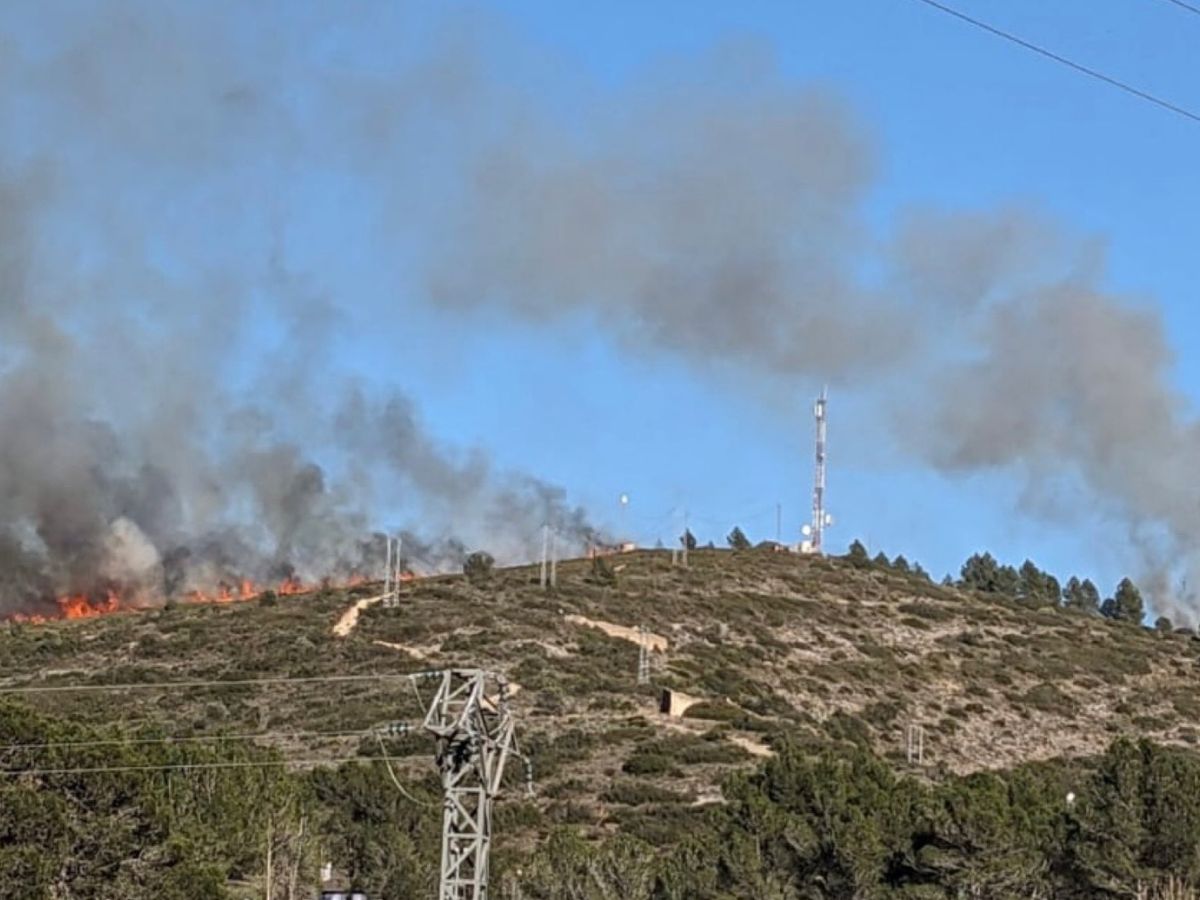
point(787, 778)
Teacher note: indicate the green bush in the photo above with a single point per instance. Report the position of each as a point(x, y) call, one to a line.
point(478, 566)
point(649, 763)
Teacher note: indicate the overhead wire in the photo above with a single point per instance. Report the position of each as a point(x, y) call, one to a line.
point(1192, 9)
point(387, 761)
point(171, 767)
point(1062, 60)
point(182, 739)
point(193, 685)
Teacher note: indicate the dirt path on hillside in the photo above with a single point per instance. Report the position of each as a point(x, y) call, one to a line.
point(655, 642)
point(349, 620)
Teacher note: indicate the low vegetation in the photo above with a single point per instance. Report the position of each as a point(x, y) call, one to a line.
point(1058, 742)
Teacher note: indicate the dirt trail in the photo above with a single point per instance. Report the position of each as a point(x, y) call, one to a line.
point(755, 748)
point(349, 620)
point(655, 642)
point(419, 651)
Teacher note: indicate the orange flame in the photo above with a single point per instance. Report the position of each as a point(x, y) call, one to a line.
point(87, 606)
point(291, 586)
point(80, 606)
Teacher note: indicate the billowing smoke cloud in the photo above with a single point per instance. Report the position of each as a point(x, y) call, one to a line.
point(171, 413)
point(717, 218)
point(153, 427)
point(720, 217)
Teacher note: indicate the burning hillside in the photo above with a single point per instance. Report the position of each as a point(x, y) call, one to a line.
point(114, 599)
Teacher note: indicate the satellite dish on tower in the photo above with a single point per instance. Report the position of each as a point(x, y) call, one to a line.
point(806, 530)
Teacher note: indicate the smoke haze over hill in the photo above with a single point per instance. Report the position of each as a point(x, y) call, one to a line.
point(170, 409)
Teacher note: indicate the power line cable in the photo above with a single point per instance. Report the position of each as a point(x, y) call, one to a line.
point(172, 767)
point(190, 685)
point(1187, 6)
point(181, 739)
point(1078, 67)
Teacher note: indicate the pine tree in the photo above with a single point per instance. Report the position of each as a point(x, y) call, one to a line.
point(687, 539)
point(1008, 582)
point(882, 561)
point(1081, 595)
point(857, 554)
point(1037, 586)
point(979, 572)
point(900, 564)
point(1126, 604)
point(738, 540)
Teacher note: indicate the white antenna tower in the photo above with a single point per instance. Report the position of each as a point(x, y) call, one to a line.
point(819, 517)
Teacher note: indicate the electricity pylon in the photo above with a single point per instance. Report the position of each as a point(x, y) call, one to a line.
point(475, 732)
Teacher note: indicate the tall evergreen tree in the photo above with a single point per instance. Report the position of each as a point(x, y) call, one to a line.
point(1037, 586)
point(738, 540)
point(1126, 604)
point(1081, 595)
point(1008, 582)
point(857, 554)
point(979, 572)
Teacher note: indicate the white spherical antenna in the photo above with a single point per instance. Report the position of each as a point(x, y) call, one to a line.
point(828, 518)
point(624, 499)
point(806, 530)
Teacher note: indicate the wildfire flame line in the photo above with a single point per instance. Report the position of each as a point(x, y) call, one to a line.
point(87, 606)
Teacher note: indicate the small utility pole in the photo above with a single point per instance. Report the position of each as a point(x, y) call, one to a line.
point(643, 672)
point(396, 561)
point(914, 744)
point(553, 559)
point(387, 571)
point(778, 523)
point(686, 533)
point(545, 556)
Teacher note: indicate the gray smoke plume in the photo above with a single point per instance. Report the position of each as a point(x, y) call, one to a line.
point(710, 210)
point(171, 418)
point(713, 221)
point(719, 217)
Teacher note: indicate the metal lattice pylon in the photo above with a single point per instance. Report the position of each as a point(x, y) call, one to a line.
point(470, 718)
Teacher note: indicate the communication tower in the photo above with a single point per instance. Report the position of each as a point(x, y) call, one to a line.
point(814, 532)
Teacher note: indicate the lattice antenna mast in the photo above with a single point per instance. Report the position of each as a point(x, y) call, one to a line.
point(470, 718)
point(819, 517)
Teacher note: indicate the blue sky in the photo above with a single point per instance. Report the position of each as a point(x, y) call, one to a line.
point(953, 118)
point(959, 119)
